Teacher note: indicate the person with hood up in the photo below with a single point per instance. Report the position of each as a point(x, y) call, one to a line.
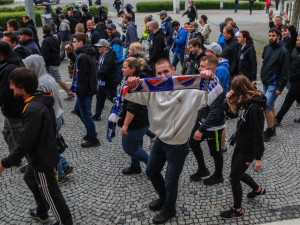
point(107, 76)
point(115, 43)
point(30, 24)
point(11, 107)
point(191, 12)
point(64, 34)
point(131, 33)
point(179, 38)
point(13, 41)
point(84, 85)
point(247, 64)
point(38, 142)
point(48, 84)
point(222, 72)
point(166, 26)
point(249, 104)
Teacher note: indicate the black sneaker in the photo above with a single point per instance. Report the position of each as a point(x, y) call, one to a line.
point(213, 180)
point(18, 163)
point(268, 133)
point(69, 170)
point(253, 193)
point(132, 170)
point(42, 219)
point(198, 175)
point(232, 214)
point(297, 120)
point(96, 118)
point(163, 217)
point(62, 182)
point(156, 204)
point(91, 143)
point(23, 169)
point(86, 137)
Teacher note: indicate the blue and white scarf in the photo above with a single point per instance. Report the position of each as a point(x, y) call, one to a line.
point(101, 60)
point(157, 84)
point(73, 87)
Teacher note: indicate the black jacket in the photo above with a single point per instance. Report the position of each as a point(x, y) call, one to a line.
point(73, 22)
point(247, 64)
point(140, 112)
point(275, 66)
point(87, 75)
point(249, 135)
point(197, 34)
point(31, 25)
point(37, 138)
point(191, 12)
point(157, 48)
point(11, 107)
point(147, 71)
point(22, 51)
point(50, 50)
point(295, 69)
point(195, 59)
point(290, 41)
point(109, 72)
point(32, 46)
point(102, 30)
point(230, 52)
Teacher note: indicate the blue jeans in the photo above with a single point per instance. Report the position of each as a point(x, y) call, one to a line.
point(270, 93)
point(131, 144)
point(177, 57)
point(175, 156)
point(236, 7)
point(63, 163)
point(103, 93)
point(83, 109)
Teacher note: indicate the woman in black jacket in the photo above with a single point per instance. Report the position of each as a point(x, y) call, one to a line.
point(247, 64)
point(248, 138)
point(134, 121)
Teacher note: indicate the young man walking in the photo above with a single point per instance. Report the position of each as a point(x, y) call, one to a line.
point(38, 142)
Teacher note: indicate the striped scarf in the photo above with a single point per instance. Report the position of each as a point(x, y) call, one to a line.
point(73, 87)
point(157, 84)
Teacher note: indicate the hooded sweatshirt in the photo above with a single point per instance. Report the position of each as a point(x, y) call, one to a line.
point(167, 28)
point(179, 41)
point(222, 73)
point(37, 139)
point(131, 35)
point(46, 82)
point(64, 31)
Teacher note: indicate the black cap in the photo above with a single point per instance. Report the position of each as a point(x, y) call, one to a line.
point(4, 48)
point(27, 31)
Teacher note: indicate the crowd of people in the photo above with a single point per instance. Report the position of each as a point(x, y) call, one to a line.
point(103, 60)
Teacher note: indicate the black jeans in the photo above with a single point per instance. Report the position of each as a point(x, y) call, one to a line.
point(47, 194)
point(290, 97)
point(237, 174)
point(103, 93)
point(213, 140)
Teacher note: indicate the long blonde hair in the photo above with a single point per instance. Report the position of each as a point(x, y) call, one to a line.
point(243, 90)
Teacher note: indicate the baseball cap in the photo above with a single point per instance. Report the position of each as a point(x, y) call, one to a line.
point(111, 26)
point(102, 42)
point(163, 12)
point(214, 47)
point(4, 48)
point(26, 31)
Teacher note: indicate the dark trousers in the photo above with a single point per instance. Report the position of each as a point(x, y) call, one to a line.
point(237, 174)
point(103, 93)
point(167, 188)
point(47, 194)
point(290, 97)
point(213, 139)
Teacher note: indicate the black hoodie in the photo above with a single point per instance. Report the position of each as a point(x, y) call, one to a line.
point(22, 51)
point(157, 48)
point(37, 138)
point(109, 72)
point(87, 74)
point(50, 50)
point(295, 69)
point(250, 127)
point(247, 64)
point(230, 52)
point(11, 107)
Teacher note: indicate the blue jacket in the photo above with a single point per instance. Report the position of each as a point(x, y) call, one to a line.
point(222, 73)
point(221, 40)
point(131, 35)
point(32, 46)
point(179, 41)
point(167, 28)
point(116, 45)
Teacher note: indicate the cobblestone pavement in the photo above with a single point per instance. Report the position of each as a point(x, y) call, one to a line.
point(98, 193)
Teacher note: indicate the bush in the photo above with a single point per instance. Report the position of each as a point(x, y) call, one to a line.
point(3, 2)
point(4, 17)
point(168, 5)
point(18, 9)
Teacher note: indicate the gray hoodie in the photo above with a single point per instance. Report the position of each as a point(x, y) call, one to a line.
point(46, 82)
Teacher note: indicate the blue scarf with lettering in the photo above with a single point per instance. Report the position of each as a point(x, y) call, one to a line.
point(73, 87)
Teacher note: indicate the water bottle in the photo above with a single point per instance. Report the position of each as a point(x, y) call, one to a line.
point(252, 166)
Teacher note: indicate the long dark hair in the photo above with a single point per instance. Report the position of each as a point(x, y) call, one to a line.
point(246, 35)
